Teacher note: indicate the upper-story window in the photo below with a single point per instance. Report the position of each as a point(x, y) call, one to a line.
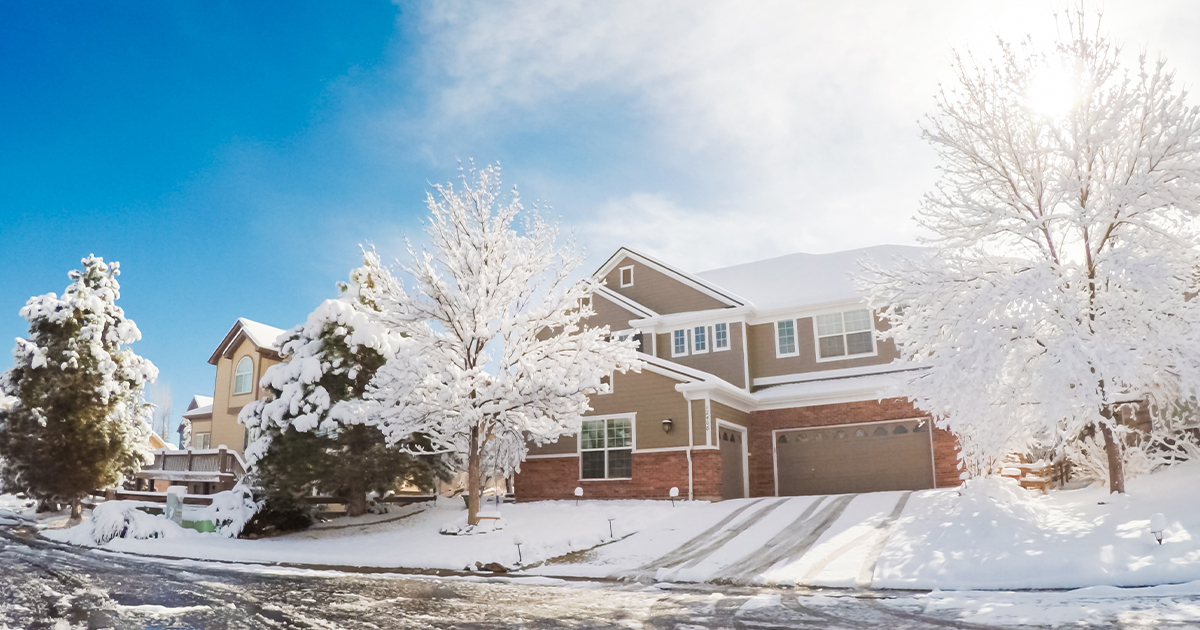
point(845, 334)
point(627, 276)
point(720, 337)
point(785, 338)
point(699, 340)
point(243, 376)
point(678, 343)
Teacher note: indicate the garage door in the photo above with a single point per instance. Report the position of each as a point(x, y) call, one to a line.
point(854, 458)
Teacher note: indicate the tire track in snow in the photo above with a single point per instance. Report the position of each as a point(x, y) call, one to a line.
point(703, 543)
point(872, 556)
point(793, 541)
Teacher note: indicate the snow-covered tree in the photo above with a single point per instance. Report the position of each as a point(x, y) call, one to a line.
point(498, 353)
point(311, 432)
point(1066, 227)
point(80, 419)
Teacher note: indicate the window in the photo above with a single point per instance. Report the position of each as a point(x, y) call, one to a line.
point(606, 449)
point(585, 302)
point(699, 339)
point(202, 440)
point(627, 276)
point(679, 343)
point(243, 376)
point(785, 338)
point(845, 334)
point(720, 337)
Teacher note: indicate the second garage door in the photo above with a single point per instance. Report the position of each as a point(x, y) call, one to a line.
point(894, 455)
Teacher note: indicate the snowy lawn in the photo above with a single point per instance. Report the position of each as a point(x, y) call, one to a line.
point(998, 536)
point(547, 529)
point(988, 535)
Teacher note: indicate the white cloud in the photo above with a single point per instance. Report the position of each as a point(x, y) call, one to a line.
point(794, 123)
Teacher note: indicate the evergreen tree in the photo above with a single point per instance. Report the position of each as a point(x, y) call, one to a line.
point(79, 422)
point(311, 433)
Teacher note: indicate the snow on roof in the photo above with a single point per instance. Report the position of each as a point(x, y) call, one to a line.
point(199, 411)
point(199, 401)
point(262, 335)
point(884, 384)
point(801, 279)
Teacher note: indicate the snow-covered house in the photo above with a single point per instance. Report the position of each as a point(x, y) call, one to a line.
point(762, 379)
point(212, 440)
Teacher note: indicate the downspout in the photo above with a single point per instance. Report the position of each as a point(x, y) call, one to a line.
point(691, 444)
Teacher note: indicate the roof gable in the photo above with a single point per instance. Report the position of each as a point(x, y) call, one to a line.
point(264, 337)
point(660, 287)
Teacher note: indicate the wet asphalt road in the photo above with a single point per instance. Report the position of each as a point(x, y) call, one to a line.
point(48, 585)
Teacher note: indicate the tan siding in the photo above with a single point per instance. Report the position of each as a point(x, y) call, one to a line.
point(652, 397)
point(226, 406)
point(763, 362)
point(728, 414)
point(658, 291)
point(608, 314)
point(726, 364)
point(698, 423)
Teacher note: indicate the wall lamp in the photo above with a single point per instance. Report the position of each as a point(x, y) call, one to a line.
point(667, 424)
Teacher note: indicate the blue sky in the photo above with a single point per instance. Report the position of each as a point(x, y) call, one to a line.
point(232, 156)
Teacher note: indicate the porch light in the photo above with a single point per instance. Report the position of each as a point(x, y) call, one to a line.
point(1158, 523)
point(667, 424)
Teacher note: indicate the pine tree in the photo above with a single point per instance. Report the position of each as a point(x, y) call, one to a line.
point(80, 419)
point(311, 433)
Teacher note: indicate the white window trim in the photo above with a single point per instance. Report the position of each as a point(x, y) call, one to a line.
point(795, 339)
point(728, 338)
point(611, 387)
point(196, 438)
point(632, 417)
point(685, 343)
point(621, 276)
point(707, 339)
point(235, 376)
point(817, 337)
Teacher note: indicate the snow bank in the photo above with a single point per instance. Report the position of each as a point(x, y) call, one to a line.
point(231, 510)
point(991, 534)
point(119, 519)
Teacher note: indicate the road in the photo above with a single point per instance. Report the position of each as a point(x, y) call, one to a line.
point(47, 585)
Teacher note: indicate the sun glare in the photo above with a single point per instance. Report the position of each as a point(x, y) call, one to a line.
point(1052, 92)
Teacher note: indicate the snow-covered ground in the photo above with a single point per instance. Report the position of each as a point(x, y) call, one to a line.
point(988, 535)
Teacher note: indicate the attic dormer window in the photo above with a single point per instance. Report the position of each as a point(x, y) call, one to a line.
point(627, 276)
point(243, 376)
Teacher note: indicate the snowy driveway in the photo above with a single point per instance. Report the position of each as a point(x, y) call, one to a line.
point(812, 540)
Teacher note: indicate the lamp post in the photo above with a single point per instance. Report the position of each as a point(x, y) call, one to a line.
point(1158, 523)
point(674, 493)
point(518, 541)
point(578, 494)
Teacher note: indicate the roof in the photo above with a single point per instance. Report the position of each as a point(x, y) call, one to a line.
point(206, 410)
point(699, 284)
point(260, 335)
point(802, 279)
point(199, 401)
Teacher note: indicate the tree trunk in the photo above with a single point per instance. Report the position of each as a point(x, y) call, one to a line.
point(76, 509)
point(473, 479)
point(1116, 470)
point(356, 503)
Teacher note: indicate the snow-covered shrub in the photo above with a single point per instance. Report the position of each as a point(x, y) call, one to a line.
point(123, 519)
point(1140, 455)
point(231, 510)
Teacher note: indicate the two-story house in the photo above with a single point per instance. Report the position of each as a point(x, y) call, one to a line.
point(212, 460)
point(762, 379)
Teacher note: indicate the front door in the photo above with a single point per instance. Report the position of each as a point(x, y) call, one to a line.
point(733, 461)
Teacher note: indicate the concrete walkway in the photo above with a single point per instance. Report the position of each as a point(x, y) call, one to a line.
point(809, 541)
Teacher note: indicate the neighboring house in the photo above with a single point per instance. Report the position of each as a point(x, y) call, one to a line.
point(212, 460)
point(762, 379)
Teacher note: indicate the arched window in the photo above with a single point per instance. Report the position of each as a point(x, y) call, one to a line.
point(243, 376)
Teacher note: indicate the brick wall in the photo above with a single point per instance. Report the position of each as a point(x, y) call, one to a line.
point(654, 474)
point(762, 463)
